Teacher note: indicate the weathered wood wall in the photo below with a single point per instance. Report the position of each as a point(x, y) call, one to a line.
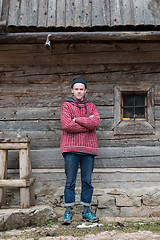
point(82, 13)
point(34, 82)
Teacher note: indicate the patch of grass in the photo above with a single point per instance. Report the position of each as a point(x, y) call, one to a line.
point(126, 226)
point(48, 223)
point(153, 226)
point(57, 229)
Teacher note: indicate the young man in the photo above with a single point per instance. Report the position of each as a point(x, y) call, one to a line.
point(79, 119)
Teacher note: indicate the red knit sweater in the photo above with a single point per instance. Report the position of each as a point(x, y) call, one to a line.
point(79, 135)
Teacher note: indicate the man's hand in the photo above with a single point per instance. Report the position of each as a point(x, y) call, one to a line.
point(91, 116)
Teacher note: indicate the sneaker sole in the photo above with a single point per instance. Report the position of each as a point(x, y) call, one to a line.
point(92, 221)
point(66, 222)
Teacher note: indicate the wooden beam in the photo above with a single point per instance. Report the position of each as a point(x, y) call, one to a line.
point(40, 37)
point(14, 183)
point(3, 174)
point(24, 174)
point(13, 145)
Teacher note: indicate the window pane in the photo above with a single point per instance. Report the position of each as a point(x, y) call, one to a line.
point(139, 100)
point(133, 106)
point(128, 100)
point(140, 112)
point(128, 113)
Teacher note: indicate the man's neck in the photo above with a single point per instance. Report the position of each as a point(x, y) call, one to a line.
point(79, 100)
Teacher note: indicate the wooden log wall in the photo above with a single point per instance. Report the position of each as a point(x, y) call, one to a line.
point(34, 82)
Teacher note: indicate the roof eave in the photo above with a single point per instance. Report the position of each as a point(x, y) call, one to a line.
point(41, 37)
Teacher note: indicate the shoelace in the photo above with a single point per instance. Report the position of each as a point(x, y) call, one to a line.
point(90, 214)
point(67, 215)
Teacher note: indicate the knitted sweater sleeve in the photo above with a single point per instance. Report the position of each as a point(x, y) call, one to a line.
point(67, 122)
point(90, 122)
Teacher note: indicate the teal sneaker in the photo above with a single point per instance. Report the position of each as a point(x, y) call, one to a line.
point(67, 219)
point(89, 216)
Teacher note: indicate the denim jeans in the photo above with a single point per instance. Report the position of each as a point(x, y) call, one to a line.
point(72, 162)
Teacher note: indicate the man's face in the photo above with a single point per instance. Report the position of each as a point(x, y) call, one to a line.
point(79, 91)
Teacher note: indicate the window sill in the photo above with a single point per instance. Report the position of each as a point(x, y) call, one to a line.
point(134, 127)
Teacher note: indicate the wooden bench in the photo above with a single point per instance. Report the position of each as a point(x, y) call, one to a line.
point(25, 183)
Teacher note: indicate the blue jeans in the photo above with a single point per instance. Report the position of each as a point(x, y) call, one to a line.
point(72, 162)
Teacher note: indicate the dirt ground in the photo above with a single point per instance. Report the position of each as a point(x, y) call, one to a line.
point(112, 235)
point(101, 236)
point(117, 229)
point(140, 235)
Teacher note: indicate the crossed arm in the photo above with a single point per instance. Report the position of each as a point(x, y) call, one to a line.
point(79, 124)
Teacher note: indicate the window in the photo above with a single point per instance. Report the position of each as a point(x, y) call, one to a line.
point(134, 106)
point(133, 109)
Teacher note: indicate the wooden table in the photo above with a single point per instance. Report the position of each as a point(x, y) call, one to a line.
point(25, 183)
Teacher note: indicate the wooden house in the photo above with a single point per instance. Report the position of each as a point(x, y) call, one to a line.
point(115, 46)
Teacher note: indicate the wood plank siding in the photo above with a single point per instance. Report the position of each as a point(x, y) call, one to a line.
point(87, 42)
point(81, 13)
point(35, 83)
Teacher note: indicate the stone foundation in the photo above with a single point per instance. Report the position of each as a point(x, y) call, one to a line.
point(105, 203)
point(116, 202)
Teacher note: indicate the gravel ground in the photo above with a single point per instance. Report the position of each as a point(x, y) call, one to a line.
point(71, 232)
point(111, 235)
point(144, 235)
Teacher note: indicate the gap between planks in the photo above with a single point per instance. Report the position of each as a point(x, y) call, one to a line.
point(96, 170)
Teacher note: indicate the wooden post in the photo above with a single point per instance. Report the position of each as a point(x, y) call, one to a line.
point(25, 183)
point(3, 174)
point(24, 174)
point(31, 187)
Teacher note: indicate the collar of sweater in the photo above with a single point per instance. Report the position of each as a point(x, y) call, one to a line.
point(73, 99)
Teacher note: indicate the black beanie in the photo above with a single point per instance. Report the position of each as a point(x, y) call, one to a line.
point(79, 80)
